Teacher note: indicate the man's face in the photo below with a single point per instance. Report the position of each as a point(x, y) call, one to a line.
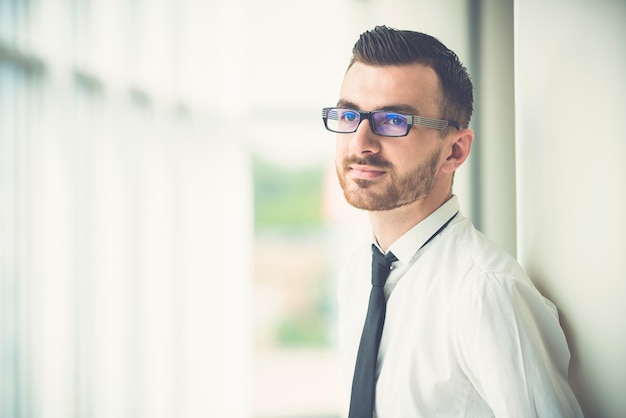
point(383, 173)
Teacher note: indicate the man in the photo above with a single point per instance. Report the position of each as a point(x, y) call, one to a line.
point(466, 334)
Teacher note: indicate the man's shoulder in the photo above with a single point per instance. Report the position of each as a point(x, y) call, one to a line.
point(479, 253)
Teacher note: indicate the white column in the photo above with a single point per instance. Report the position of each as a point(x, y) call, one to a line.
point(493, 152)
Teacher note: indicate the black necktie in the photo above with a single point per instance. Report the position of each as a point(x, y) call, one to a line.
point(364, 381)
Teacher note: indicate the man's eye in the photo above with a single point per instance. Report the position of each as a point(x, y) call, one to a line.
point(349, 116)
point(395, 120)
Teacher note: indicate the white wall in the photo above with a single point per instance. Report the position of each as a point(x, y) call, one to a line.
point(571, 191)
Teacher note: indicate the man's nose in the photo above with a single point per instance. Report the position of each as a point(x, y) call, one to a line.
point(364, 140)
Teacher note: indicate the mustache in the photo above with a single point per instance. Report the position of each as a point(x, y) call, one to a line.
point(374, 160)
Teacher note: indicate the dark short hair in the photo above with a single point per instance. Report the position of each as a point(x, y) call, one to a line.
point(385, 46)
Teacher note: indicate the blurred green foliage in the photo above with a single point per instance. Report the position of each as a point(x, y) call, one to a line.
point(288, 203)
point(286, 198)
point(305, 330)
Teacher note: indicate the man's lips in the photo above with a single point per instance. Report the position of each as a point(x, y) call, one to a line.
point(366, 172)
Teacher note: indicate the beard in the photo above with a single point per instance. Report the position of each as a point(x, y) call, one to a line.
point(394, 191)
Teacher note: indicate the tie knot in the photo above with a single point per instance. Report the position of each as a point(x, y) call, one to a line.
point(381, 266)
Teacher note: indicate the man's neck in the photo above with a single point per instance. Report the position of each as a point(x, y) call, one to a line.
point(390, 225)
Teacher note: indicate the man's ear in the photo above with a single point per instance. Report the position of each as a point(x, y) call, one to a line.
point(458, 150)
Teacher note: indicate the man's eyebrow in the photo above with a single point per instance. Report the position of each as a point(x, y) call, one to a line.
point(346, 104)
point(400, 108)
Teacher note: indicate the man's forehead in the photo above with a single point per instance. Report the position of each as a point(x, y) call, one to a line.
point(402, 88)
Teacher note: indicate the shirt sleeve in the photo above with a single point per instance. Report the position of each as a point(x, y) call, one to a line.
point(511, 347)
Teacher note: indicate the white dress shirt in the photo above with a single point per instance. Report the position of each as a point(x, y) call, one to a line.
point(466, 332)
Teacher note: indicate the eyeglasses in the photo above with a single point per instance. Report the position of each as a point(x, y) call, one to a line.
point(384, 123)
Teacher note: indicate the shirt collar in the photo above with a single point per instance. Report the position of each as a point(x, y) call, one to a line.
point(405, 247)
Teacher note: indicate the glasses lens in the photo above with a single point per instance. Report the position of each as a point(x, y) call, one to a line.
point(390, 124)
point(342, 120)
